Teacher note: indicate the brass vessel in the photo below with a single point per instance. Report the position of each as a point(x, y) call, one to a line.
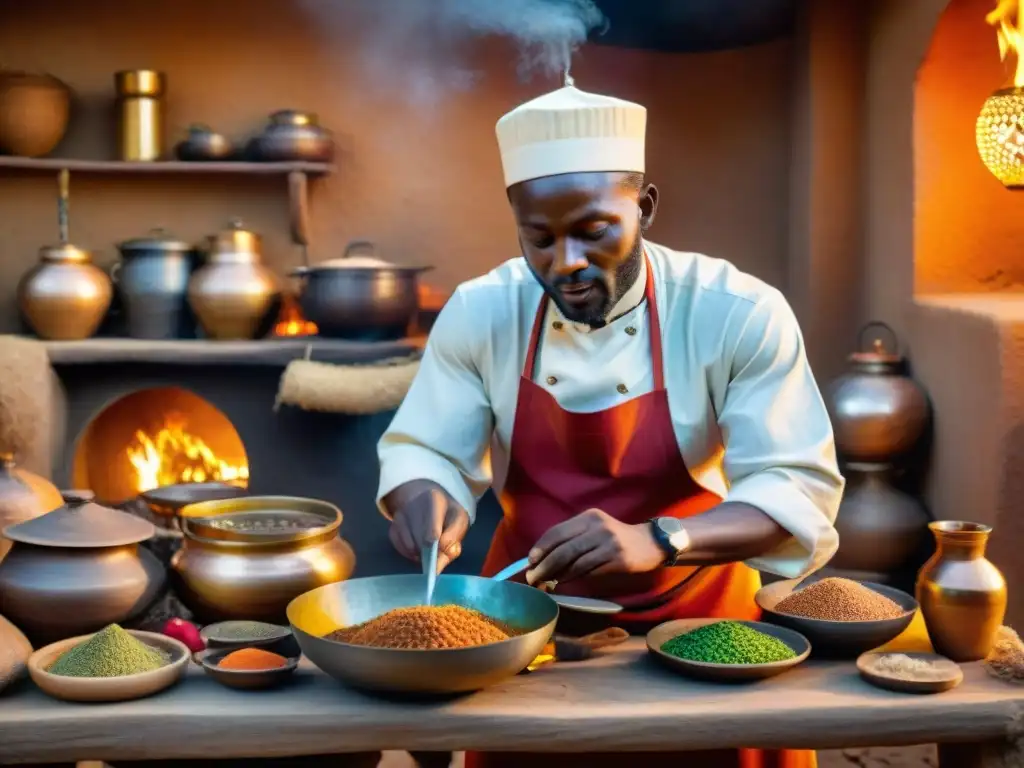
point(962, 594)
point(293, 136)
point(877, 410)
point(233, 295)
point(65, 296)
point(14, 652)
point(23, 496)
point(76, 569)
point(247, 558)
point(140, 113)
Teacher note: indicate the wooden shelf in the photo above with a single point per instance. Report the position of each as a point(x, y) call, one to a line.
point(297, 174)
point(262, 352)
point(162, 166)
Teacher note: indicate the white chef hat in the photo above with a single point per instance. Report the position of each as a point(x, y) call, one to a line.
point(571, 131)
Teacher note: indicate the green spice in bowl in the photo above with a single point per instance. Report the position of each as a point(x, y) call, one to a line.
point(112, 665)
point(725, 650)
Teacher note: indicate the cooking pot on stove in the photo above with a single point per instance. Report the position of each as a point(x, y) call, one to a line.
point(360, 296)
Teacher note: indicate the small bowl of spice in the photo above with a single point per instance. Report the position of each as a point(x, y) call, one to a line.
point(249, 669)
point(842, 618)
point(725, 650)
point(112, 665)
point(240, 633)
point(910, 672)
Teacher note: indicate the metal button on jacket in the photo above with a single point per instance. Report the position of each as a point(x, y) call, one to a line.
point(552, 380)
point(623, 389)
point(557, 325)
point(630, 330)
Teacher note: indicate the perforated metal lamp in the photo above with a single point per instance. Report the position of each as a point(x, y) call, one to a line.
point(999, 134)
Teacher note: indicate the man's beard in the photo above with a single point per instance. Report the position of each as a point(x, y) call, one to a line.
point(595, 312)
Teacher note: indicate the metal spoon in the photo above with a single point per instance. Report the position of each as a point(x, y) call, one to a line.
point(429, 559)
point(581, 604)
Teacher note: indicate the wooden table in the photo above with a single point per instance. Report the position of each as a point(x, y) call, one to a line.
point(619, 701)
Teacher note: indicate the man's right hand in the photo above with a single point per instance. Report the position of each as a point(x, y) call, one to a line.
point(423, 518)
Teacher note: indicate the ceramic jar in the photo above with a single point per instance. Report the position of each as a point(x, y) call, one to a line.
point(65, 296)
point(14, 652)
point(247, 558)
point(23, 496)
point(962, 595)
point(233, 295)
point(34, 110)
point(77, 569)
point(878, 412)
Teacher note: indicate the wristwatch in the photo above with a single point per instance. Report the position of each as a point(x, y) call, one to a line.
point(671, 537)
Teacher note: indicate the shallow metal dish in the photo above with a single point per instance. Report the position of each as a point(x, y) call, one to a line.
point(838, 639)
point(245, 679)
point(169, 499)
point(436, 672)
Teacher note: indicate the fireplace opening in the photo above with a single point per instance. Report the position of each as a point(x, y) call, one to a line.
point(157, 437)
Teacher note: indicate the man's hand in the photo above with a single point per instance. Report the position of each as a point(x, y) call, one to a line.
point(428, 517)
point(591, 544)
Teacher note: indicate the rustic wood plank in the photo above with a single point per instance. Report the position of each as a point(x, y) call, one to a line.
point(266, 352)
point(620, 701)
point(161, 166)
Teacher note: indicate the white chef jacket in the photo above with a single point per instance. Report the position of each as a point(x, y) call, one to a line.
point(749, 419)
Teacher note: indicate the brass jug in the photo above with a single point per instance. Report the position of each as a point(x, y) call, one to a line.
point(233, 295)
point(962, 595)
point(65, 296)
point(878, 411)
point(23, 496)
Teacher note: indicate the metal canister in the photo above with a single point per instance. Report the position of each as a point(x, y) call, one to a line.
point(140, 95)
point(152, 281)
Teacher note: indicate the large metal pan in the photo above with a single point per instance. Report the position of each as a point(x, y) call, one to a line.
point(436, 672)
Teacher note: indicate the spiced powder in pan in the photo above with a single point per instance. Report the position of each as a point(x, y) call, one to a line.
point(426, 627)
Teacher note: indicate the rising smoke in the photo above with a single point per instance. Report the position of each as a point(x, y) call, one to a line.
point(417, 47)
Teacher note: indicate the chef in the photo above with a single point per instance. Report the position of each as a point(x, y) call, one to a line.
point(654, 429)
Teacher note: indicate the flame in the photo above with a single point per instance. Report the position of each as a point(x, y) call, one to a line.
point(173, 455)
point(1009, 18)
point(290, 321)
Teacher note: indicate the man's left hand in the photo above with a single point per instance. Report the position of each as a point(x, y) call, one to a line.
point(591, 544)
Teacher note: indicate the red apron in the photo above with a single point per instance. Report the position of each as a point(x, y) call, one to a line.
point(624, 460)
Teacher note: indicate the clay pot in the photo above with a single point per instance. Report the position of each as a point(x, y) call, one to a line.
point(962, 594)
point(33, 113)
point(14, 652)
point(23, 496)
point(65, 296)
point(77, 569)
point(879, 526)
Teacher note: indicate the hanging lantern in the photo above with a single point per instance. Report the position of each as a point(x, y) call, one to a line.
point(999, 131)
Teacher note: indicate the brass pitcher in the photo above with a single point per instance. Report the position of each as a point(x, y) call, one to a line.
point(962, 595)
point(233, 295)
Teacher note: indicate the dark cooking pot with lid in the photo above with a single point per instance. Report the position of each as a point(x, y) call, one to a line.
point(360, 296)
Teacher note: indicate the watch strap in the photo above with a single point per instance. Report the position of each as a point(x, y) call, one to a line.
point(662, 537)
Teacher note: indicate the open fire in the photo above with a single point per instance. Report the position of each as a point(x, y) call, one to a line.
point(174, 455)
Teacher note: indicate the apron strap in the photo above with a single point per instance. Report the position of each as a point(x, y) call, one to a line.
point(657, 360)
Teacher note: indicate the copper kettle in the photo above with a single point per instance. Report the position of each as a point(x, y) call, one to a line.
point(878, 412)
point(233, 295)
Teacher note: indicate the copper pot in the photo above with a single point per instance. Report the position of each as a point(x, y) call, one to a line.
point(247, 558)
point(23, 496)
point(878, 411)
point(293, 136)
point(65, 296)
point(962, 594)
point(880, 527)
point(33, 113)
point(77, 569)
point(233, 295)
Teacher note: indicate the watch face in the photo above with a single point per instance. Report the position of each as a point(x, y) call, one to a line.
point(677, 536)
point(669, 525)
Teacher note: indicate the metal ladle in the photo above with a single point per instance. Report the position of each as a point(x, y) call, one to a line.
point(428, 557)
point(571, 602)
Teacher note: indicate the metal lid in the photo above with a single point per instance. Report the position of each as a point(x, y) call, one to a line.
point(294, 117)
point(80, 523)
point(880, 357)
point(235, 239)
point(64, 254)
point(358, 255)
point(157, 240)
